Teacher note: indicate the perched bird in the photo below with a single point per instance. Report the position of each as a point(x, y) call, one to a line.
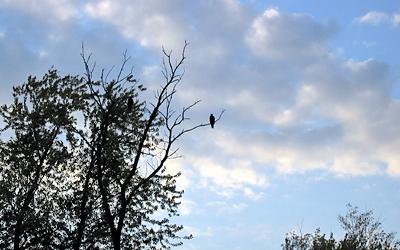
point(130, 103)
point(212, 120)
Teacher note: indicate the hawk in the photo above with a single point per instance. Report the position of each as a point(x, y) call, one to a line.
point(130, 103)
point(212, 120)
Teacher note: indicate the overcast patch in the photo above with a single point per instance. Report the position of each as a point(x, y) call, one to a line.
point(292, 104)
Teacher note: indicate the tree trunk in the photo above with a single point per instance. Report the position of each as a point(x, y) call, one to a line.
point(83, 212)
point(18, 230)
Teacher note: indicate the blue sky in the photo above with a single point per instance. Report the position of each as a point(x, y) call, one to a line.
point(311, 91)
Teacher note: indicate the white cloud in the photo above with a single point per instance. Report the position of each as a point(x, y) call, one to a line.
point(365, 43)
point(288, 36)
point(223, 207)
point(335, 122)
point(373, 17)
point(369, 44)
point(252, 195)
point(153, 24)
point(50, 10)
point(187, 207)
point(395, 20)
point(234, 176)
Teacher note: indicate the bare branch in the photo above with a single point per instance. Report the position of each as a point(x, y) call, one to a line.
point(89, 74)
point(162, 97)
point(195, 127)
point(105, 80)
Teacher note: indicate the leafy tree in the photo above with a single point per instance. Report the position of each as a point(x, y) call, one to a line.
point(85, 165)
point(31, 159)
point(309, 241)
point(362, 233)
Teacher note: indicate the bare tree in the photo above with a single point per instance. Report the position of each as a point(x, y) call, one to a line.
point(119, 192)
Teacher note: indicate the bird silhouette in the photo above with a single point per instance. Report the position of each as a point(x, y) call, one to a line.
point(212, 120)
point(130, 103)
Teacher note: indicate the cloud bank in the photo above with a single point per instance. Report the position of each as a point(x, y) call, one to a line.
point(293, 105)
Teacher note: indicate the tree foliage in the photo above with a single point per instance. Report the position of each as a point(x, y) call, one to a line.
point(363, 232)
point(84, 167)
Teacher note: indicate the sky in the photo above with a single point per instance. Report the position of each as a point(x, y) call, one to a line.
point(311, 90)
